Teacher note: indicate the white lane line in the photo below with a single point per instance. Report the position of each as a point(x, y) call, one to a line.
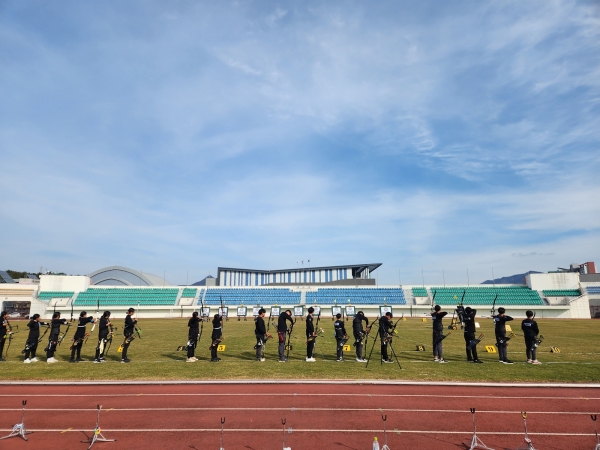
point(306, 382)
point(458, 411)
point(297, 430)
point(204, 394)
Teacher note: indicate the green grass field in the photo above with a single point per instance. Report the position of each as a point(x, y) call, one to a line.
point(154, 356)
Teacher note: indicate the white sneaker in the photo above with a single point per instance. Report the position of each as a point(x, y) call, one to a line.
point(27, 361)
point(194, 358)
point(442, 361)
point(311, 360)
point(529, 361)
point(535, 361)
point(51, 360)
point(190, 360)
point(34, 359)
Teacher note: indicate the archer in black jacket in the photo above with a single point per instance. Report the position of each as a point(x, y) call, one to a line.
point(501, 339)
point(128, 331)
point(260, 331)
point(80, 336)
point(310, 336)
point(341, 337)
point(3, 332)
point(282, 331)
point(469, 333)
point(54, 334)
point(193, 334)
point(105, 337)
point(385, 331)
point(438, 333)
point(530, 333)
point(33, 338)
point(216, 336)
point(359, 334)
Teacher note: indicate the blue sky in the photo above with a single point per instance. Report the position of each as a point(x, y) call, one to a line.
point(176, 137)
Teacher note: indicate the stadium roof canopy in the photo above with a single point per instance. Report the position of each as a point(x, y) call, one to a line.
point(228, 276)
point(123, 276)
point(356, 268)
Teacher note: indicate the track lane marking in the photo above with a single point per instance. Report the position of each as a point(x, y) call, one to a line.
point(299, 430)
point(437, 396)
point(386, 410)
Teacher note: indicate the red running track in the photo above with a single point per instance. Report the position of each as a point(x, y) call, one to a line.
point(318, 416)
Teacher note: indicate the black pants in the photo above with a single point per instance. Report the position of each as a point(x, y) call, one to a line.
point(2, 341)
point(437, 344)
point(77, 344)
point(310, 347)
point(216, 336)
point(101, 348)
point(502, 348)
point(260, 345)
point(384, 350)
point(281, 348)
point(340, 347)
point(52, 343)
point(31, 348)
point(358, 342)
point(470, 336)
point(126, 344)
point(191, 348)
point(530, 347)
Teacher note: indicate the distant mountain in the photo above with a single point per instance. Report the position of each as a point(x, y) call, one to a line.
point(513, 279)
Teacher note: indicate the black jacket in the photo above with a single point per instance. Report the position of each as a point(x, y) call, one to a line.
point(259, 326)
point(437, 320)
point(281, 322)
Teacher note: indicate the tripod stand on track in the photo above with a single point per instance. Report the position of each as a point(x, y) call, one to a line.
point(19, 429)
point(97, 435)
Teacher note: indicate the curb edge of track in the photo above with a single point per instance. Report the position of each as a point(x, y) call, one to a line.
point(299, 381)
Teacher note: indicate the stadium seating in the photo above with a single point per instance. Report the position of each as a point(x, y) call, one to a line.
point(238, 296)
point(49, 295)
point(419, 292)
point(127, 297)
point(593, 289)
point(510, 295)
point(188, 292)
point(562, 293)
point(357, 296)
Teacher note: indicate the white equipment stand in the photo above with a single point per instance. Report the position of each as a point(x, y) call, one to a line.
point(385, 446)
point(222, 423)
point(19, 428)
point(593, 416)
point(527, 445)
point(97, 436)
point(475, 441)
point(283, 424)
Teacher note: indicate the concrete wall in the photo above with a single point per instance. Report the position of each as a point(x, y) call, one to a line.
point(546, 281)
point(580, 307)
point(371, 311)
point(64, 283)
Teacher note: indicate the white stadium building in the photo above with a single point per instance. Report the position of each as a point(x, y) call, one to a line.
point(563, 294)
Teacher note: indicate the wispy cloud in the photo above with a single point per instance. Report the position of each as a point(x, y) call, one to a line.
point(158, 135)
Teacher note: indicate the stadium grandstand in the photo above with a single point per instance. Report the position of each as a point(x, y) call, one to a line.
point(554, 294)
